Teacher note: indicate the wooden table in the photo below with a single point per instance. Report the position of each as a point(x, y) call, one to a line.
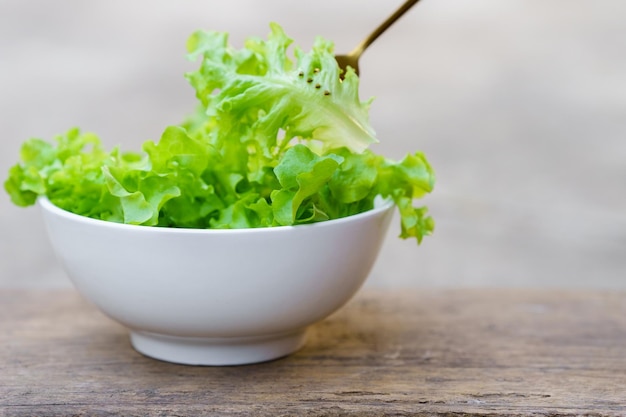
point(418, 353)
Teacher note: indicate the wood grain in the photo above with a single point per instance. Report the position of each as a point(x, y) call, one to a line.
point(429, 353)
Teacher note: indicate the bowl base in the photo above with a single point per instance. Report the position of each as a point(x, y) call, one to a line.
point(216, 351)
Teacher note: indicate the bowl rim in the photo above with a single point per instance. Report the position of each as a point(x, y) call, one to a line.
point(380, 205)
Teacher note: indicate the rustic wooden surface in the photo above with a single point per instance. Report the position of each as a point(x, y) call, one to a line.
point(452, 353)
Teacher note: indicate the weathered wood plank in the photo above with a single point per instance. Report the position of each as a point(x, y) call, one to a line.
point(470, 352)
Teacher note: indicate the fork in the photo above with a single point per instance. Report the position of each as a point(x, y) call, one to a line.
point(352, 58)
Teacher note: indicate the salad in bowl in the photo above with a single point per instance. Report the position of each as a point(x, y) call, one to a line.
point(258, 215)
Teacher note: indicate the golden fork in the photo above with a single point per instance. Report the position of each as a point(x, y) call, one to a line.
point(352, 58)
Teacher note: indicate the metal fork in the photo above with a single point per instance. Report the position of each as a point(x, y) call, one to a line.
point(352, 58)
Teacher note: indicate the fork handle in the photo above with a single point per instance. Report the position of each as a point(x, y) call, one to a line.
point(383, 27)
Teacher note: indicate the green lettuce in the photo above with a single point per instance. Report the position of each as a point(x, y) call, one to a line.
point(275, 140)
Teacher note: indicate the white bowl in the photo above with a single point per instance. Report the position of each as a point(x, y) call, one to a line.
point(217, 297)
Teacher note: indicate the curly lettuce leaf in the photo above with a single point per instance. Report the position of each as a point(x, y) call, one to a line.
point(301, 174)
point(257, 92)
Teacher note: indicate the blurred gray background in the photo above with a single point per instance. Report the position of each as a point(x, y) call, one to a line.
point(520, 105)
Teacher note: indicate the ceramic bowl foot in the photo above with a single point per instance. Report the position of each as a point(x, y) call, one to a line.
point(215, 351)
